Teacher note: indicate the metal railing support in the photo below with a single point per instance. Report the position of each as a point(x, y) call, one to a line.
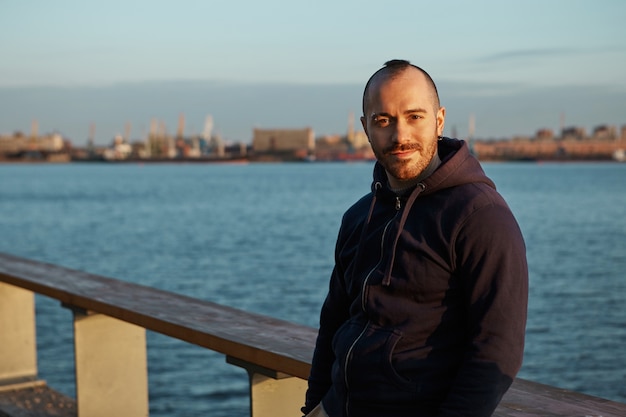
point(272, 393)
point(111, 366)
point(18, 345)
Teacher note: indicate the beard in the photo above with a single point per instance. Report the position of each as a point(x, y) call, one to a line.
point(409, 168)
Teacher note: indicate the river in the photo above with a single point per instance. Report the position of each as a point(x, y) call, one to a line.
point(260, 237)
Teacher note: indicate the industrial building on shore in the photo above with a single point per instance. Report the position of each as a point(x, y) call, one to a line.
point(604, 143)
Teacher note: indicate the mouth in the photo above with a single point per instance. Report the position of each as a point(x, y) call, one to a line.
point(402, 155)
point(402, 151)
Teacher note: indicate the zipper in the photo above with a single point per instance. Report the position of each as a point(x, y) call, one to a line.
point(348, 358)
point(382, 243)
point(369, 274)
point(398, 206)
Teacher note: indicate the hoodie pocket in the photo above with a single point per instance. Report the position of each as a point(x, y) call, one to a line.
point(366, 363)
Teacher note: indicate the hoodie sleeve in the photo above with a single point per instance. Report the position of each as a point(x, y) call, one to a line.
point(333, 314)
point(491, 262)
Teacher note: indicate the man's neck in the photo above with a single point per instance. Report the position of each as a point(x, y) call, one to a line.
point(404, 186)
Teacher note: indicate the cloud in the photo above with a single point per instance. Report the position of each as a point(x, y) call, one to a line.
point(547, 52)
point(528, 53)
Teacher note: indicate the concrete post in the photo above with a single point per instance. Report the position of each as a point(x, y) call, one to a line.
point(111, 367)
point(272, 393)
point(18, 345)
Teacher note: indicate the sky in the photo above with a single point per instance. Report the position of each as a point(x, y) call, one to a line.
point(512, 66)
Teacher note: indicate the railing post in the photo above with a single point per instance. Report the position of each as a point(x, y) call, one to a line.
point(18, 346)
point(272, 393)
point(111, 366)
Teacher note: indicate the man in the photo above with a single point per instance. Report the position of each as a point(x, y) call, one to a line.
point(426, 309)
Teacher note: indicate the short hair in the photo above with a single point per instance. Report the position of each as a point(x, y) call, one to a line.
point(394, 67)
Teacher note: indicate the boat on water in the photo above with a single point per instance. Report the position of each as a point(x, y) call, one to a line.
point(620, 155)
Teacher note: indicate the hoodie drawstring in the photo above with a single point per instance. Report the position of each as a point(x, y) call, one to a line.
point(377, 186)
point(405, 214)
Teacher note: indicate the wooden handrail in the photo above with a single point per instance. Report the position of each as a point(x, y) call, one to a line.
point(261, 340)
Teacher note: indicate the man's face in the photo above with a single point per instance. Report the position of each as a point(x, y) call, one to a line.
point(403, 123)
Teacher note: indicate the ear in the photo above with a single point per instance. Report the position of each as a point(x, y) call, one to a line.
point(364, 124)
point(441, 120)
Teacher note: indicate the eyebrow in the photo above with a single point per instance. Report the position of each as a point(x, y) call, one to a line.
point(410, 111)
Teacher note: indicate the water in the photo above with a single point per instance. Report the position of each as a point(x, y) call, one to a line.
point(260, 237)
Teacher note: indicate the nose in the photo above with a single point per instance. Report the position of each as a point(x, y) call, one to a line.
point(401, 132)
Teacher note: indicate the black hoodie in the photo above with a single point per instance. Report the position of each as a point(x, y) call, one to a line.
point(426, 309)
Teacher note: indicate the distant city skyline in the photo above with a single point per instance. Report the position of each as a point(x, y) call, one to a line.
point(238, 108)
point(516, 67)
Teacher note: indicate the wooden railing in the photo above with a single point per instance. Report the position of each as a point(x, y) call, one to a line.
point(110, 319)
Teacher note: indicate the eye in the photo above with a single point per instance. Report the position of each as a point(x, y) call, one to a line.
point(381, 121)
point(415, 116)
